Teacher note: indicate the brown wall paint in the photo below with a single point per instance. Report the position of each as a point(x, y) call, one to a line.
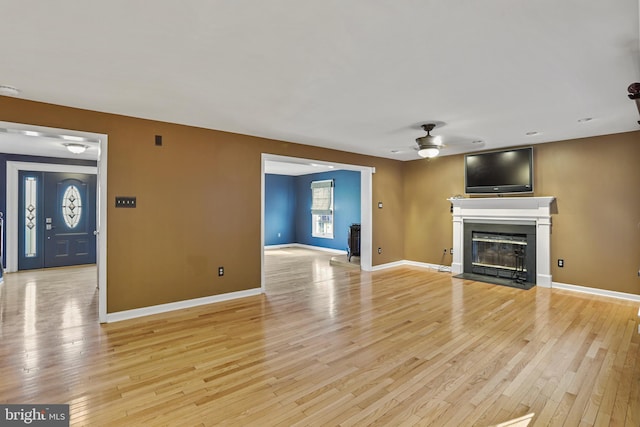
point(596, 224)
point(198, 203)
point(427, 186)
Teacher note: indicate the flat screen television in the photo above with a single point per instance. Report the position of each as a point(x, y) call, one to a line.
point(507, 171)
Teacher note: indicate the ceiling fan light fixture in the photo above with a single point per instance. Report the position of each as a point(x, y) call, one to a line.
point(428, 153)
point(76, 148)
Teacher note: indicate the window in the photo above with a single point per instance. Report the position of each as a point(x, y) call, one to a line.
point(71, 206)
point(322, 209)
point(30, 216)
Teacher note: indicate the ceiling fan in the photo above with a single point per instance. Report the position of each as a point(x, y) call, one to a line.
point(429, 146)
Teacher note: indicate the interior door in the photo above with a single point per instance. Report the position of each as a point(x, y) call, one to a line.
point(57, 219)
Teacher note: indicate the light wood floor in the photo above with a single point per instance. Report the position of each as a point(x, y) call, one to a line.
point(325, 346)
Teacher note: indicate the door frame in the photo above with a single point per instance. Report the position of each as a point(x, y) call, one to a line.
point(366, 203)
point(11, 219)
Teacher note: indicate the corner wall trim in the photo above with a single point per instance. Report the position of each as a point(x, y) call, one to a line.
point(595, 291)
point(172, 306)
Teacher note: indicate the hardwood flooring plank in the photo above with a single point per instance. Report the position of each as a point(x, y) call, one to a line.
point(325, 346)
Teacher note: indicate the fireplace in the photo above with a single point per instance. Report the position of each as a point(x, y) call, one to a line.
point(511, 236)
point(500, 253)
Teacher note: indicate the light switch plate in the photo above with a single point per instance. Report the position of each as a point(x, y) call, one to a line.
point(125, 202)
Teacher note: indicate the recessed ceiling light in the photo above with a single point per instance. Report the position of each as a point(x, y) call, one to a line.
point(395, 151)
point(532, 133)
point(477, 141)
point(9, 90)
point(72, 138)
point(585, 119)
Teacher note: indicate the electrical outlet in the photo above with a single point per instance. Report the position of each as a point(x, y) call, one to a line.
point(379, 251)
point(560, 263)
point(451, 251)
point(220, 271)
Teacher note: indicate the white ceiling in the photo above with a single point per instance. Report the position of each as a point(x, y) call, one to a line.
point(359, 76)
point(49, 142)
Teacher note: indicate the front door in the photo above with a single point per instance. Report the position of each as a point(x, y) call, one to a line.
point(56, 220)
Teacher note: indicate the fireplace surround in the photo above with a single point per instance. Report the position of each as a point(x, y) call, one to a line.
point(500, 214)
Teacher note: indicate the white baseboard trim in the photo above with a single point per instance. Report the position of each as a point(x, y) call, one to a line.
point(388, 265)
point(440, 268)
point(404, 262)
point(283, 246)
point(172, 306)
point(596, 291)
point(554, 285)
point(300, 245)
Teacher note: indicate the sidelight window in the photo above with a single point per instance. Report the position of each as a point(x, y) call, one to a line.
point(30, 216)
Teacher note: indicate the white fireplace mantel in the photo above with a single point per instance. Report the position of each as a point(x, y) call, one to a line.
point(506, 210)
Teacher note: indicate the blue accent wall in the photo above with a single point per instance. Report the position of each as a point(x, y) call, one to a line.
point(279, 210)
point(297, 191)
point(4, 158)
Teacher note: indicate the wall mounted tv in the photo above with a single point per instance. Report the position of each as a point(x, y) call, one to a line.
point(507, 171)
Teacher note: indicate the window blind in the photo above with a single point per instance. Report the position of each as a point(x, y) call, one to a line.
point(321, 197)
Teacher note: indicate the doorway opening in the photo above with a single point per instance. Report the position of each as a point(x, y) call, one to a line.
point(366, 178)
point(23, 141)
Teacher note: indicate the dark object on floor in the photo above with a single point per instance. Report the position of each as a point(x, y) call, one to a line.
point(354, 241)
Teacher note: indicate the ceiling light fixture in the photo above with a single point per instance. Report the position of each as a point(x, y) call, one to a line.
point(585, 119)
point(532, 133)
point(428, 153)
point(9, 90)
point(429, 145)
point(76, 148)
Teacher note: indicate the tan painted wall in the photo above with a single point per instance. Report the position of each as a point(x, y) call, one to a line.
point(169, 247)
point(198, 203)
point(596, 228)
